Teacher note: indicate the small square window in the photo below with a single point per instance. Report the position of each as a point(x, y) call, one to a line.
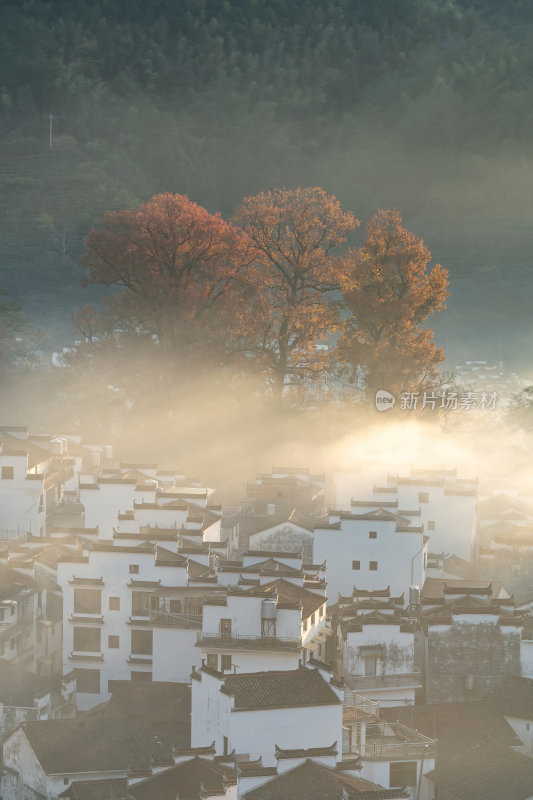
point(225, 663)
point(431, 524)
point(373, 566)
point(134, 569)
point(8, 473)
point(114, 603)
point(423, 497)
point(373, 535)
point(113, 642)
point(356, 565)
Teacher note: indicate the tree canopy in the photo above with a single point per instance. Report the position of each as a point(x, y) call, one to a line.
point(263, 290)
point(389, 294)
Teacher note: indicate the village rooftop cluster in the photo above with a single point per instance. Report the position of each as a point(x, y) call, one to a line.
point(362, 635)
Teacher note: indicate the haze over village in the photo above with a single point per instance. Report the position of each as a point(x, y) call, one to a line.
point(266, 400)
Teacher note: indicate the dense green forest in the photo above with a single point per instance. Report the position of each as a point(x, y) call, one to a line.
point(423, 105)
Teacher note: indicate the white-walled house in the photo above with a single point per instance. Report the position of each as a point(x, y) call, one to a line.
point(42, 759)
point(109, 625)
point(447, 504)
point(371, 550)
point(278, 513)
point(377, 643)
point(33, 471)
point(284, 535)
point(252, 713)
point(448, 508)
point(246, 633)
point(472, 639)
point(269, 625)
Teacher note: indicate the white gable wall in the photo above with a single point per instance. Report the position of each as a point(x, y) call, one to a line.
point(102, 505)
point(21, 499)
point(256, 732)
point(175, 654)
point(392, 550)
point(454, 516)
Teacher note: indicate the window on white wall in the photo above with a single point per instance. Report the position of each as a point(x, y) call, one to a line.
point(371, 663)
point(225, 663)
point(87, 601)
point(87, 680)
point(8, 473)
point(87, 640)
point(140, 604)
point(142, 643)
point(403, 773)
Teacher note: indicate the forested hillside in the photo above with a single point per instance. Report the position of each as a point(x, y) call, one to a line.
point(423, 105)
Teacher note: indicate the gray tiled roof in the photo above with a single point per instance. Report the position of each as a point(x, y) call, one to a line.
point(290, 689)
point(185, 781)
point(486, 773)
point(288, 592)
point(514, 697)
point(87, 745)
point(312, 781)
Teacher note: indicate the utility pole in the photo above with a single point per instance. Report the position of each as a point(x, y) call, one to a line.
point(51, 119)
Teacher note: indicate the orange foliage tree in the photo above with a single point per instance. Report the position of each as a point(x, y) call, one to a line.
point(389, 293)
point(172, 262)
point(293, 236)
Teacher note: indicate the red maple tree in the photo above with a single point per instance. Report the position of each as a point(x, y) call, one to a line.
point(172, 261)
point(389, 293)
point(293, 238)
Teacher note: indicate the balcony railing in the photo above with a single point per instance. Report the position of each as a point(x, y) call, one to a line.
point(393, 741)
point(358, 708)
point(365, 682)
point(175, 620)
point(13, 533)
point(238, 641)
